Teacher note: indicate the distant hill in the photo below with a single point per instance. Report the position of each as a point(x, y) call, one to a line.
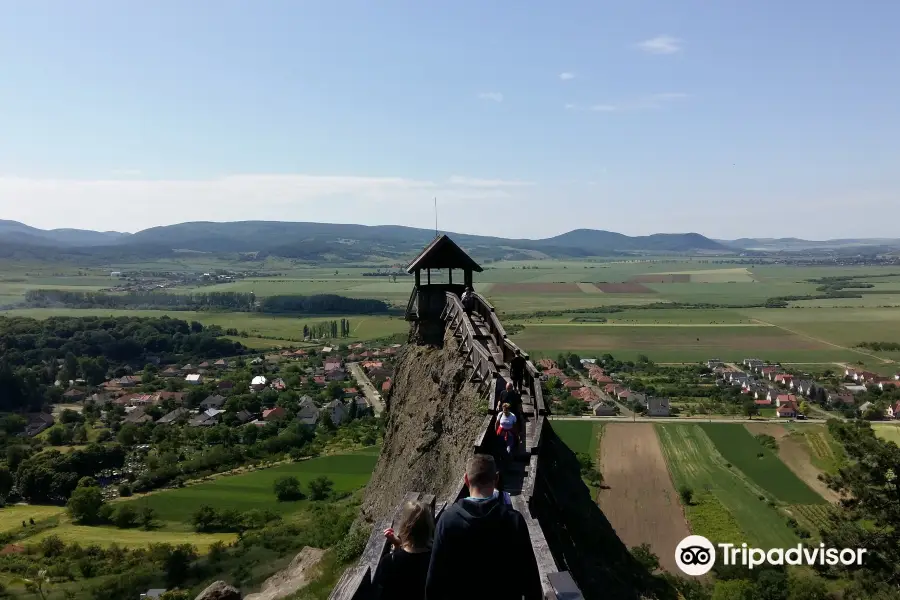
point(338, 242)
point(13, 231)
point(796, 244)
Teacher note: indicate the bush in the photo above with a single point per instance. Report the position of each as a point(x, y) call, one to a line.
point(124, 490)
point(687, 495)
point(352, 545)
point(288, 489)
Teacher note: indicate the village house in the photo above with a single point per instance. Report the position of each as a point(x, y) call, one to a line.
point(336, 375)
point(278, 385)
point(885, 384)
point(804, 387)
point(785, 399)
point(308, 412)
point(243, 416)
point(221, 364)
point(258, 383)
point(38, 422)
point(386, 386)
point(336, 411)
point(176, 397)
point(207, 418)
point(838, 398)
point(657, 407)
point(213, 402)
point(73, 395)
point(194, 379)
point(787, 410)
point(572, 384)
point(273, 414)
point(332, 364)
point(553, 372)
point(854, 389)
point(753, 363)
point(363, 407)
point(137, 417)
point(762, 402)
point(603, 409)
point(585, 394)
point(714, 363)
point(768, 372)
point(547, 363)
point(174, 416)
point(171, 372)
point(784, 379)
point(225, 385)
point(188, 368)
point(204, 365)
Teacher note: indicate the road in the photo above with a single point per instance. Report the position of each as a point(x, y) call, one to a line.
point(363, 381)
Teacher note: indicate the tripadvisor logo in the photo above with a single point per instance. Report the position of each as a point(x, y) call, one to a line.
point(695, 555)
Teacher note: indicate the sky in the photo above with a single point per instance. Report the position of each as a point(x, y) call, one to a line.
point(731, 118)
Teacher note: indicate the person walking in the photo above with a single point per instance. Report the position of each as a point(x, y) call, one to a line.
point(517, 370)
point(468, 301)
point(511, 397)
point(506, 430)
point(401, 573)
point(472, 526)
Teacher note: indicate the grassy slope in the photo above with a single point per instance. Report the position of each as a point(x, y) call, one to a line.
point(254, 490)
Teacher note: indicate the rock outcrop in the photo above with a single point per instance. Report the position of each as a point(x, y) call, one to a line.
point(294, 577)
point(434, 416)
point(219, 590)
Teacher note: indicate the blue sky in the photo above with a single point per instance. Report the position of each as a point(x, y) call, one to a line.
point(728, 118)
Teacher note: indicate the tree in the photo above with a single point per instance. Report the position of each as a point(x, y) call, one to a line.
point(288, 489)
point(124, 490)
point(804, 407)
point(687, 495)
point(750, 408)
point(734, 589)
point(869, 511)
point(177, 564)
point(320, 488)
point(126, 517)
point(58, 435)
point(645, 556)
point(6, 481)
point(148, 518)
point(84, 504)
point(807, 588)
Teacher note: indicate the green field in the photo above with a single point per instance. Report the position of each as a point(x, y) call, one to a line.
point(890, 433)
point(11, 517)
point(741, 449)
point(253, 490)
point(280, 330)
point(106, 536)
point(579, 436)
point(694, 461)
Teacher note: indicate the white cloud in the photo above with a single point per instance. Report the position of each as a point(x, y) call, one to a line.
point(567, 76)
point(475, 182)
point(492, 96)
point(132, 204)
point(662, 44)
point(649, 102)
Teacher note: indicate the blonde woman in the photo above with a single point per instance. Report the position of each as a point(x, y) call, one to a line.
point(401, 573)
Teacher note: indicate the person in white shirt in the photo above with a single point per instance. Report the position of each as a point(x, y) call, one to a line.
point(506, 422)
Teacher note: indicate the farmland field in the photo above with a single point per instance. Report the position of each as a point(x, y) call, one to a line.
point(254, 490)
point(729, 507)
point(890, 433)
point(795, 449)
point(281, 329)
point(638, 496)
point(764, 468)
point(580, 436)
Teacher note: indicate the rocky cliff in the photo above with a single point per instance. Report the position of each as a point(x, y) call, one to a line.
point(434, 415)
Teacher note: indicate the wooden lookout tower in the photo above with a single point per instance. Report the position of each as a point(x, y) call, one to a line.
point(428, 299)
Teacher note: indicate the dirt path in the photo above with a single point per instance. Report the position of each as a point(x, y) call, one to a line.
point(826, 342)
point(640, 500)
point(794, 452)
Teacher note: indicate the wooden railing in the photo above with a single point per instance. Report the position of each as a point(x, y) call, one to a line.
point(356, 584)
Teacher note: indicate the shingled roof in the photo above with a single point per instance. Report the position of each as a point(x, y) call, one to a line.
point(443, 253)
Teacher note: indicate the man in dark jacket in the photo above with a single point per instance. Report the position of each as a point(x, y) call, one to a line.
point(475, 529)
point(517, 370)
